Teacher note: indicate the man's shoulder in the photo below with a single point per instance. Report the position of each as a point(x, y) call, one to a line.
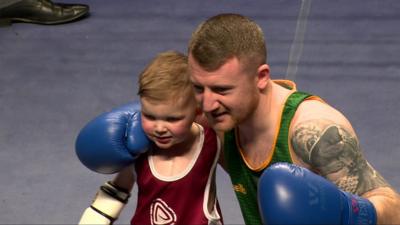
point(318, 110)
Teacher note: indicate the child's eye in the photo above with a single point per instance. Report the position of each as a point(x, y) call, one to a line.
point(173, 119)
point(149, 117)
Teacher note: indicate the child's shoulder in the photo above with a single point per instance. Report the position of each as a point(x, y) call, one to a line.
point(207, 130)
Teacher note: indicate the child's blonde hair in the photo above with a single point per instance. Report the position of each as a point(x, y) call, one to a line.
point(166, 78)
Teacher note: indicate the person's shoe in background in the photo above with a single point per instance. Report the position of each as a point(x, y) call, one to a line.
point(42, 12)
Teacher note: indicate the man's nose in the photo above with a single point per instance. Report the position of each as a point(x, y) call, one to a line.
point(209, 101)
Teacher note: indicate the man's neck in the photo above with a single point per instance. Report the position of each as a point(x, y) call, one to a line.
point(265, 117)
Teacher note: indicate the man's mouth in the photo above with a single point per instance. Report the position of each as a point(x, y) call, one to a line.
point(218, 116)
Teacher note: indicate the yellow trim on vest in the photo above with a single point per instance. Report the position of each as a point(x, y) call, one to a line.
point(286, 84)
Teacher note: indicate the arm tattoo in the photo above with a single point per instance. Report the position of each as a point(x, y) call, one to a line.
point(335, 154)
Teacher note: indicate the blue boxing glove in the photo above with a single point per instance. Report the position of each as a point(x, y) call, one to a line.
point(112, 140)
point(289, 194)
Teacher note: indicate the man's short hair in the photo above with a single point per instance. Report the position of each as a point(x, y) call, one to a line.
point(225, 36)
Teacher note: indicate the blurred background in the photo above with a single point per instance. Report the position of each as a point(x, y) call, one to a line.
point(54, 79)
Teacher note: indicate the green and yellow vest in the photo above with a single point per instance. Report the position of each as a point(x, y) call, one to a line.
point(245, 179)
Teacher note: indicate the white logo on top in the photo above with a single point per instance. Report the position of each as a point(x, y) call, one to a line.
point(161, 213)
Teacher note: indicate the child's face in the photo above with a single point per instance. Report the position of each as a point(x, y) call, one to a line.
point(167, 123)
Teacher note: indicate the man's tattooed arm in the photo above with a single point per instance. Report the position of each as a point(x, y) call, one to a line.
point(335, 153)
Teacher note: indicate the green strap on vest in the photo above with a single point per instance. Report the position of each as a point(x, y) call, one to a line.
point(245, 180)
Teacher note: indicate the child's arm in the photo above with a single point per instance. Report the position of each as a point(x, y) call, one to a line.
point(110, 199)
point(125, 178)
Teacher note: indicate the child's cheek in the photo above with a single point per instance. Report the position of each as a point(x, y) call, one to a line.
point(146, 125)
point(182, 130)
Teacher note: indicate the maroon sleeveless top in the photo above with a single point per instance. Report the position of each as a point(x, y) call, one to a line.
point(181, 199)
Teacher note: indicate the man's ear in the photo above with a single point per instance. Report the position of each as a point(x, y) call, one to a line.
point(263, 76)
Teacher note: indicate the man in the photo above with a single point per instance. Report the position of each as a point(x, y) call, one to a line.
point(40, 12)
point(263, 121)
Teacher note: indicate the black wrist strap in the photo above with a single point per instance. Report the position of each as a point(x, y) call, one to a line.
point(118, 193)
point(103, 214)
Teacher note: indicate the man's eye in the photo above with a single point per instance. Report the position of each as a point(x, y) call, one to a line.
point(221, 91)
point(198, 89)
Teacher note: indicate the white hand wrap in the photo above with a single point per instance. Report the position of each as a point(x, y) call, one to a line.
point(107, 205)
